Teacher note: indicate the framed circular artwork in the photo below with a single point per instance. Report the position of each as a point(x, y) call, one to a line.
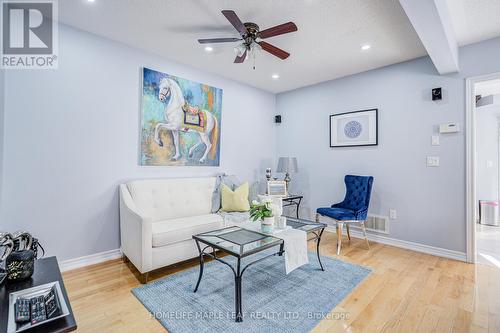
point(357, 128)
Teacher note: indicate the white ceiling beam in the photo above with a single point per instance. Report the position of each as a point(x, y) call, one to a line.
point(432, 22)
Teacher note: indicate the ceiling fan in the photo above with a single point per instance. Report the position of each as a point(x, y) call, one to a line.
point(250, 33)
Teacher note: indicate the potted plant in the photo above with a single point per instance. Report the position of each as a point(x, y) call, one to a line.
point(263, 211)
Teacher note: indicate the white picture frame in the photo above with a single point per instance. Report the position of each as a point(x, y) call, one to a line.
point(276, 188)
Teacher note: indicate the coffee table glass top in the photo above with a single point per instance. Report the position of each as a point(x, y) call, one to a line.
point(238, 241)
point(305, 225)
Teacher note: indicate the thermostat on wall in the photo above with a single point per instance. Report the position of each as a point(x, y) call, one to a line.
point(449, 128)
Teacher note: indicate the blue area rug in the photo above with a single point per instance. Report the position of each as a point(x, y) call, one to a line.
point(272, 300)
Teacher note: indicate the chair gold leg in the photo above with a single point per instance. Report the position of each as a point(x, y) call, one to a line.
point(364, 233)
point(348, 233)
point(340, 226)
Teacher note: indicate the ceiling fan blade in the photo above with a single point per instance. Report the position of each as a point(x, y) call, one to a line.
point(235, 21)
point(217, 40)
point(274, 50)
point(278, 30)
point(239, 60)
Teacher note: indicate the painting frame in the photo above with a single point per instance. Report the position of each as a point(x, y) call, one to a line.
point(349, 137)
point(190, 136)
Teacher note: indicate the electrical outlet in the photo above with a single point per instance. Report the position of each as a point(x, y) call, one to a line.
point(393, 214)
point(435, 140)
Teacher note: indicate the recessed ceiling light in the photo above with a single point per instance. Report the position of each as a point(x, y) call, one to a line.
point(275, 76)
point(366, 47)
point(91, 0)
point(208, 49)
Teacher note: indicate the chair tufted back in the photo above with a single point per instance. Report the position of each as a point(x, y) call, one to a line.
point(358, 191)
point(172, 198)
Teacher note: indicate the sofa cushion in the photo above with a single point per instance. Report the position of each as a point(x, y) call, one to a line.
point(177, 230)
point(235, 201)
point(163, 199)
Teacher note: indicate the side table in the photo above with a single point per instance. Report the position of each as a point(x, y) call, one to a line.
point(293, 200)
point(46, 270)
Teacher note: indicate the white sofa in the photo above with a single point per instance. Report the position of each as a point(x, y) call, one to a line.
point(159, 216)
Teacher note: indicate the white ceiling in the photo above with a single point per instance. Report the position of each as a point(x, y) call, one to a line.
point(326, 46)
point(475, 20)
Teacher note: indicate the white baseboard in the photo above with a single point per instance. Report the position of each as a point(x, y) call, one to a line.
point(92, 259)
point(436, 251)
point(97, 258)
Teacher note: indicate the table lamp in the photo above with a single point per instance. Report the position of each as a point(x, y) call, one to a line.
point(287, 165)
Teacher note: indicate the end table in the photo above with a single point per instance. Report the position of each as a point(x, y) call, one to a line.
point(293, 200)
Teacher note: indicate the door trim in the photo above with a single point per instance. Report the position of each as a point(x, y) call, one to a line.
point(470, 144)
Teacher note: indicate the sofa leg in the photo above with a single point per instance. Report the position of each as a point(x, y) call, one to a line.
point(144, 278)
point(348, 233)
point(317, 217)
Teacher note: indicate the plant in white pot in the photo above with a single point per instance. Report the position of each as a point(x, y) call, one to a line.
point(263, 211)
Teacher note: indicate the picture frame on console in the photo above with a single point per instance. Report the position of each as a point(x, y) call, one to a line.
point(354, 129)
point(277, 188)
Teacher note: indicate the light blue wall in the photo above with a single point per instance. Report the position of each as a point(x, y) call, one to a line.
point(2, 130)
point(430, 202)
point(72, 136)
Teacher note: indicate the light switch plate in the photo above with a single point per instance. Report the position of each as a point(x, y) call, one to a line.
point(435, 140)
point(432, 161)
point(393, 214)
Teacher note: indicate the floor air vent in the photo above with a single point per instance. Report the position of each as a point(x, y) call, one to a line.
point(377, 223)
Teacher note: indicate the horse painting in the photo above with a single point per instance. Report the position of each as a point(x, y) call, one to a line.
point(180, 121)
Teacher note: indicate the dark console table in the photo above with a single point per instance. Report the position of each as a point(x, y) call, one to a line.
point(293, 200)
point(46, 270)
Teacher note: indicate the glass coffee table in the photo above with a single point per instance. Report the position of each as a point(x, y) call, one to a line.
point(241, 243)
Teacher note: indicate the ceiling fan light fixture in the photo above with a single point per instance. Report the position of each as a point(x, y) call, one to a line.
point(240, 49)
point(255, 47)
point(251, 36)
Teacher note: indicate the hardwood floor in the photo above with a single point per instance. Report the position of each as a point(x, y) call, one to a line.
point(407, 292)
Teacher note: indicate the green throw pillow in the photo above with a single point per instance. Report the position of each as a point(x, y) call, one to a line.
point(237, 200)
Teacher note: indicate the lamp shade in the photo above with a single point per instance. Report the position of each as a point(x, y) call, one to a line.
point(287, 164)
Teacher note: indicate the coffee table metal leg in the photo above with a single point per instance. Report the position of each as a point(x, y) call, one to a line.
point(317, 248)
point(201, 267)
point(237, 290)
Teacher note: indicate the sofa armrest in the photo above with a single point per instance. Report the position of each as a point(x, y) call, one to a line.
point(135, 233)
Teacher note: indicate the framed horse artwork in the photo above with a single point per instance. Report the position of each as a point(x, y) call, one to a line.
point(180, 121)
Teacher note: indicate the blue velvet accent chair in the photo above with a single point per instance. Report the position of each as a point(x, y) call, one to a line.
point(354, 208)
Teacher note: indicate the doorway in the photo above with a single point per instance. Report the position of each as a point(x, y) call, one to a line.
point(483, 169)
